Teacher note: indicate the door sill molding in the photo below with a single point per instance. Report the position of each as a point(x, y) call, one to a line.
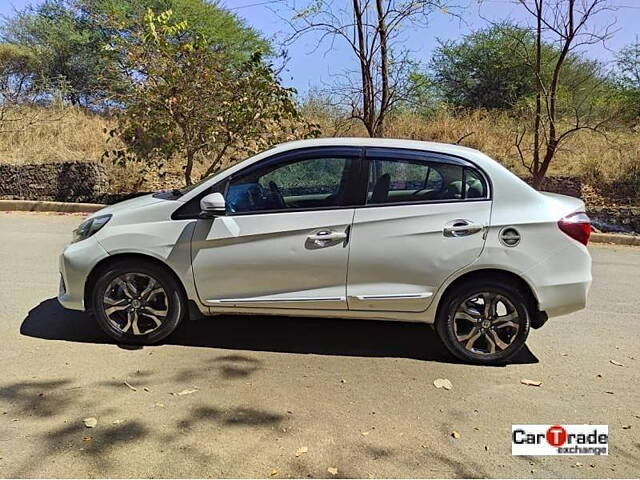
point(393, 296)
point(227, 301)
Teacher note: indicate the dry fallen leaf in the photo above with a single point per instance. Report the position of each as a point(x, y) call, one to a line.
point(455, 434)
point(442, 383)
point(617, 364)
point(609, 392)
point(364, 434)
point(274, 472)
point(301, 450)
point(146, 389)
point(626, 427)
point(531, 383)
point(87, 439)
point(130, 386)
point(90, 422)
point(187, 391)
point(332, 470)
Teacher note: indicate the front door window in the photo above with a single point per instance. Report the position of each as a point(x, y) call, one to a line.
point(304, 184)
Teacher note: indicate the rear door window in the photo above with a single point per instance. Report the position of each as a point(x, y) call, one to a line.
point(414, 180)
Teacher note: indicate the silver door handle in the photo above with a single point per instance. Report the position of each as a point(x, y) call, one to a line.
point(327, 236)
point(462, 230)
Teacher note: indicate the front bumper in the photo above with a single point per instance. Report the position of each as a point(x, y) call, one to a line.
point(76, 262)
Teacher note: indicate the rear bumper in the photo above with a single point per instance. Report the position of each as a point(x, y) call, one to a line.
point(563, 280)
point(76, 262)
point(564, 299)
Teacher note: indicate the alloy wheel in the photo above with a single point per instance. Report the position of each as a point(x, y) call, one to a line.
point(486, 323)
point(135, 303)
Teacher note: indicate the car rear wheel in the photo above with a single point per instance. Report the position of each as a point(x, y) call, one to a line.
point(138, 302)
point(486, 323)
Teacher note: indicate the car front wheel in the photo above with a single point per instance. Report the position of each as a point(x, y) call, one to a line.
point(138, 302)
point(484, 322)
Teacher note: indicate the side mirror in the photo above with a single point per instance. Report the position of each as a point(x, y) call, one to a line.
point(212, 205)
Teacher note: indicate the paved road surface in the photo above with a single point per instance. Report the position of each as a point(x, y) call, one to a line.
point(358, 395)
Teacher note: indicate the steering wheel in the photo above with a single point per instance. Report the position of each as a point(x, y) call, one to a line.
point(275, 190)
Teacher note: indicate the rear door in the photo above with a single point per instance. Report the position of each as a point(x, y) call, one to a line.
point(425, 217)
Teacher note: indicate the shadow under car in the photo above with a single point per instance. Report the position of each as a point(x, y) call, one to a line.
point(323, 336)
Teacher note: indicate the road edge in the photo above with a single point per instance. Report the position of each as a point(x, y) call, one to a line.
point(616, 238)
point(42, 206)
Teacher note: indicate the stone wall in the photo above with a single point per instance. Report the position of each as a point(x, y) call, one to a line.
point(615, 219)
point(564, 185)
point(62, 182)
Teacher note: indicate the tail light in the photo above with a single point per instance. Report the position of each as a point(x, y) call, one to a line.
point(577, 226)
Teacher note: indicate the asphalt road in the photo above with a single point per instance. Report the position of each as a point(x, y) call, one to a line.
point(358, 395)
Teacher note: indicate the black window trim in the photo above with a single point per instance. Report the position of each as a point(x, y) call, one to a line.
point(357, 184)
point(399, 153)
point(352, 184)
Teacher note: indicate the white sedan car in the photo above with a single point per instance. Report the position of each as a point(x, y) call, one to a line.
point(375, 229)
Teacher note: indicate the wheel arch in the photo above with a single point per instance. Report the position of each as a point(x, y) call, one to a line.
point(106, 262)
point(538, 318)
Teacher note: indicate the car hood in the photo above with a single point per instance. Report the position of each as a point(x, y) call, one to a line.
point(131, 204)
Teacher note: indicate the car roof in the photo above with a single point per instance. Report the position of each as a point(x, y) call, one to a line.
point(375, 142)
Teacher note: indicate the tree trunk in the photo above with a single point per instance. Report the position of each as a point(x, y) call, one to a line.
point(538, 72)
point(539, 176)
point(384, 69)
point(188, 168)
point(367, 85)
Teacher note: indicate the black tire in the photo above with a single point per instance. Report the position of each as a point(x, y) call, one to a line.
point(175, 301)
point(446, 326)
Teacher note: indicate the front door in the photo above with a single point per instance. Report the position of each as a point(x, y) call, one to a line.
point(425, 218)
point(284, 242)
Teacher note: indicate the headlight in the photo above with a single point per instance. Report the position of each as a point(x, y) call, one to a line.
point(89, 227)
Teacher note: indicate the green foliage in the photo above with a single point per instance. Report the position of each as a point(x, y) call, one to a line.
point(483, 70)
point(627, 78)
point(494, 68)
point(188, 101)
point(72, 40)
point(219, 27)
point(66, 47)
point(17, 65)
point(628, 66)
point(424, 95)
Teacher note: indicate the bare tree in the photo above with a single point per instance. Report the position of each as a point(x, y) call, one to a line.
point(373, 31)
point(566, 24)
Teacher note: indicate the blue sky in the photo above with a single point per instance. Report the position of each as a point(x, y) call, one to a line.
point(307, 69)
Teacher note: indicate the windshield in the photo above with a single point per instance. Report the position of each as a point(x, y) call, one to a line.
point(184, 190)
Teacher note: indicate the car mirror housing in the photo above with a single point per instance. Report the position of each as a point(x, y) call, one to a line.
point(212, 205)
